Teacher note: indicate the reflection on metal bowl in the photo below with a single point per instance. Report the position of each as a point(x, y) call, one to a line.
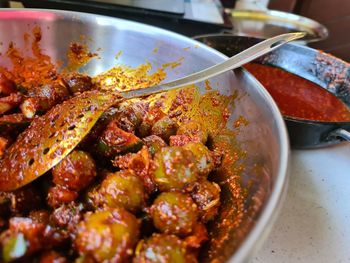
point(264, 138)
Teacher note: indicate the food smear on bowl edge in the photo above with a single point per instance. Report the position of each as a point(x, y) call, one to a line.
point(173, 150)
point(299, 98)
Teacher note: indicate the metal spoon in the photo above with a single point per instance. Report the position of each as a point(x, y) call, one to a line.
point(233, 62)
point(54, 135)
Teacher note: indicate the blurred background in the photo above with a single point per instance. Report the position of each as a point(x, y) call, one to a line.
point(328, 24)
point(335, 15)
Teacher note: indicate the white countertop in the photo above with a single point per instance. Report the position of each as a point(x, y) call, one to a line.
point(314, 223)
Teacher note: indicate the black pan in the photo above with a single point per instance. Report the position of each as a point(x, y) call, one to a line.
point(327, 71)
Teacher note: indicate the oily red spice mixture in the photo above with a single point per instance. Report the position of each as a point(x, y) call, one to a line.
point(161, 173)
point(30, 72)
point(299, 98)
point(78, 56)
point(126, 78)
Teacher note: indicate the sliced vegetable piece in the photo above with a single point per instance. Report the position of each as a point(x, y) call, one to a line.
point(3, 145)
point(5, 107)
point(140, 164)
point(38, 235)
point(207, 196)
point(31, 106)
point(15, 120)
point(130, 116)
point(153, 115)
point(41, 99)
point(154, 143)
point(10, 102)
point(14, 248)
point(7, 86)
point(115, 141)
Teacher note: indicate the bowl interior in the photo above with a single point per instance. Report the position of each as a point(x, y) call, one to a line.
point(263, 138)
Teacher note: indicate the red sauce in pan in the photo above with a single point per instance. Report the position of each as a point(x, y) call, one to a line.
point(298, 97)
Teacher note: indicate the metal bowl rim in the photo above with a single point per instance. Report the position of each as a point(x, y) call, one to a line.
point(276, 198)
point(320, 32)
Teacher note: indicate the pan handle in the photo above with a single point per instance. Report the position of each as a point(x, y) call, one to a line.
point(340, 134)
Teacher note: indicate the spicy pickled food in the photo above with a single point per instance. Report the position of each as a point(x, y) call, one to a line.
point(138, 188)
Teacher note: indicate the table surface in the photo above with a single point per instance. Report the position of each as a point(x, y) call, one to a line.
point(314, 223)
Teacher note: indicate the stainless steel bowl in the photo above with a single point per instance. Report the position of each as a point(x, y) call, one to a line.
point(264, 138)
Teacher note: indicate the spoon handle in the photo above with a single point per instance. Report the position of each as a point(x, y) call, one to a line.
point(235, 61)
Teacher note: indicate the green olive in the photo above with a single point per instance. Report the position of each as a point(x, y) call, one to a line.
point(174, 213)
point(175, 168)
point(75, 172)
point(144, 129)
point(207, 197)
point(193, 129)
point(77, 82)
point(121, 189)
point(160, 248)
point(130, 116)
point(164, 128)
point(108, 236)
point(204, 158)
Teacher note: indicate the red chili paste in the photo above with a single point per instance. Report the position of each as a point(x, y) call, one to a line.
point(299, 98)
